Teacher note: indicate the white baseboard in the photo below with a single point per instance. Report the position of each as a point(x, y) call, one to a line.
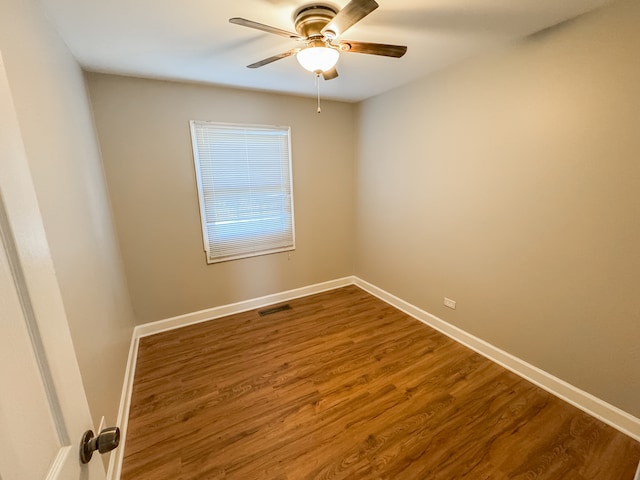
point(115, 461)
point(223, 311)
point(590, 404)
point(613, 416)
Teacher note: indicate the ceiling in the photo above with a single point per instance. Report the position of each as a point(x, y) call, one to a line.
point(193, 41)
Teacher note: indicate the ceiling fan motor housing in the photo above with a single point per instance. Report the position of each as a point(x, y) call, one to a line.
point(311, 19)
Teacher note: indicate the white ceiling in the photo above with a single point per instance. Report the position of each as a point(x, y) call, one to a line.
point(193, 40)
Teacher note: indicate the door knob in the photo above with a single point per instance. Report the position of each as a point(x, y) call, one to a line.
point(107, 440)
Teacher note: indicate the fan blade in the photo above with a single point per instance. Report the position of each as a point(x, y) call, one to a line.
point(330, 74)
point(395, 51)
point(353, 12)
point(265, 28)
point(269, 60)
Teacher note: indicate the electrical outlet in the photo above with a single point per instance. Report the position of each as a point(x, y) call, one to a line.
point(449, 303)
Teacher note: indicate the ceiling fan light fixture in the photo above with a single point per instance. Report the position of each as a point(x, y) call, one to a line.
point(318, 59)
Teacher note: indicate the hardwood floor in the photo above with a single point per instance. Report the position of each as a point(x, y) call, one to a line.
point(344, 386)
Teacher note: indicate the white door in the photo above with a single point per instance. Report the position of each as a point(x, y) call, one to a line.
point(43, 407)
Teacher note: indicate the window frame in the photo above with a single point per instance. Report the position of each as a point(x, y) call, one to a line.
point(207, 241)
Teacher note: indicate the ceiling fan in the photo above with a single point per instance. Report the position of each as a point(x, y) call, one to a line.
point(318, 26)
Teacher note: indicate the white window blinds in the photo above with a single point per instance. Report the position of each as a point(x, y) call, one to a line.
point(245, 188)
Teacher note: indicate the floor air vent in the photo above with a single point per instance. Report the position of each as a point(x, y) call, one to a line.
point(279, 308)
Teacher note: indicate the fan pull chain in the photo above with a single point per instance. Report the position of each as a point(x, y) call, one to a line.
point(318, 89)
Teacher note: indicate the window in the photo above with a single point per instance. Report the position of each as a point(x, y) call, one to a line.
point(245, 189)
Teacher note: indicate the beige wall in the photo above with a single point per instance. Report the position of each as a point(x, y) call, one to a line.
point(511, 184)
point(57, 129)
point(146, 145)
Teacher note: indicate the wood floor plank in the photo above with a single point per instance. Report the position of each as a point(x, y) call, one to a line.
point(344, 386)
